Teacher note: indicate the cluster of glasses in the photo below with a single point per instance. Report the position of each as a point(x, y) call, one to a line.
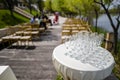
point(85, 46)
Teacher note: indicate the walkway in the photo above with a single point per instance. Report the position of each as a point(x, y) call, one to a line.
point(35, 62)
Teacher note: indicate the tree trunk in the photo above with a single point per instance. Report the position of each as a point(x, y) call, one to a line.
point(115, 28)
point(115, 41)
point(10, 5)
point(11, 11)
point(96, 20)
point(30, 8)
point(90, 19)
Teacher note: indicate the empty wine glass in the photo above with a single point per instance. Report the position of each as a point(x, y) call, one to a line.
point(66, 43)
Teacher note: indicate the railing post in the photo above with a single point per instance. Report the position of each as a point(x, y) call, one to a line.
point(109, 41)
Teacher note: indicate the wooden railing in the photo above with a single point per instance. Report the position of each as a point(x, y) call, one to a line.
point(22, 12)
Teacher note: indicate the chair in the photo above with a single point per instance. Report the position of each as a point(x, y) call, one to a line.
point(33, 27)
point(82, 28)
point(63, 38)
point(9, 34)
point(11, 37)
point(34, 30)
point(66, 32)
point(74, 32)
point(26, 38)
point(66, 28)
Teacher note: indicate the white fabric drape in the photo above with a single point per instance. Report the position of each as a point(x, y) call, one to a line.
point(72, 69)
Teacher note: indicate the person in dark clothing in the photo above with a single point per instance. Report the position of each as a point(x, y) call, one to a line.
point(43, 22)
point(47, 19)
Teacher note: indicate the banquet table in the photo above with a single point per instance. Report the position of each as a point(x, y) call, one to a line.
point(72, 69)
point(6, 73)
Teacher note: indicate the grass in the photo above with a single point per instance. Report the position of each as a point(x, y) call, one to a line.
point(34, 12)
point(7, 20)
point(59, 77)
point(99, 30)
point(116, 70)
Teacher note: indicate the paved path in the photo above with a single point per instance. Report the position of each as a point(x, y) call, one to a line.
point(35, 62)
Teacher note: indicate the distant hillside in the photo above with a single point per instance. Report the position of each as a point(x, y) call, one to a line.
point(6, 19)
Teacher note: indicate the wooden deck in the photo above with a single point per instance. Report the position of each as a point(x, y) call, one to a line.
point(35, 62)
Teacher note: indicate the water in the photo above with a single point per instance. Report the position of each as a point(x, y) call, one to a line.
point(103, 22)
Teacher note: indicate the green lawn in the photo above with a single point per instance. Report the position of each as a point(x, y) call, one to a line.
point(99, 30)
point(6, 19)
point(34, 12)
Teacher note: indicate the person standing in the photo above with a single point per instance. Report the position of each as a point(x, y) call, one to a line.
point(56, 18)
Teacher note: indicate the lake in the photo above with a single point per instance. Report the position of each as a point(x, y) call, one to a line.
point(104, 23)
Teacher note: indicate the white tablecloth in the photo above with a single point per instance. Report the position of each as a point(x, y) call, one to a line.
point(72, 69)
point(6, 73)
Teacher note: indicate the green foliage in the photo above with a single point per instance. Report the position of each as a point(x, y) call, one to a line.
point(59, 77)
point(62, 6)
point(34, 12)
point(116, 69)
point(48, 5)
point(1, 0)
point(100, 30)
point(40, 4)
point(81, 7)
point(108, 2)
point(29, 3)
point(6, 19)
point(55, 5)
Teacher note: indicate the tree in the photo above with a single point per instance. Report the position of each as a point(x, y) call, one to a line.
point(96, 10)
point(85, 6)
point(10, 5)
point(48, 5)
point(40, 5)
point(105, 5)
point(29, 6)
point(75, 6)
point(56, 5)
point(28, 3)
point(62, 6)
point(15, 2)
